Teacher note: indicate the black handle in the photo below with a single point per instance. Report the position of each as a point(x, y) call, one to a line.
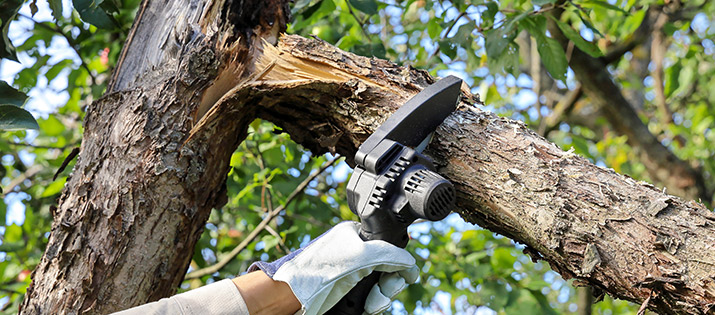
point(353, 303)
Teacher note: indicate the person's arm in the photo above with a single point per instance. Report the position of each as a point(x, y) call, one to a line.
point(253, 293)
point(264, 295)
point(310, 280)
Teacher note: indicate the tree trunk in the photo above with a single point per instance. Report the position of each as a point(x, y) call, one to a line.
point(140, 193)
point(156, 147)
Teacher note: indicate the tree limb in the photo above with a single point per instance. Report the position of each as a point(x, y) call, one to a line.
point(661, 164)
point(607, 230)
point(560, 111)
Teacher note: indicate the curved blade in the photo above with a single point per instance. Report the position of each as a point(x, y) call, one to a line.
point(412, 123)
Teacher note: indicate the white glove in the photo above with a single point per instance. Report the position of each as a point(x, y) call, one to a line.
point(321, 273)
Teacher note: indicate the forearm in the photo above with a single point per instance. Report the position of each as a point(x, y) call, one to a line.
point(263, 295)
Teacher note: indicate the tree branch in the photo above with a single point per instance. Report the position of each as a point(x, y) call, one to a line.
point(262, 225)
point(28, 174)
point(663, 166)
point(589, 223)
point(560, 111)
point(658, 48)
point(30, 145)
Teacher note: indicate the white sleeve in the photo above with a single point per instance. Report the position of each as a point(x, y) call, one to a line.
point(217, 298)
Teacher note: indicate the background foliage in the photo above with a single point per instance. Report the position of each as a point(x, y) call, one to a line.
point(61, 55)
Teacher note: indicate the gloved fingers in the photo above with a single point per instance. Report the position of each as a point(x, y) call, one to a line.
point(406, 264)
point(391, 284)
point(411, 274)
point(374, 252)
point(389, 258)
point(376, 302)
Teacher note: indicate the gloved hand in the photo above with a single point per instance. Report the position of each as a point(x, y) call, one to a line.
point(321, 273)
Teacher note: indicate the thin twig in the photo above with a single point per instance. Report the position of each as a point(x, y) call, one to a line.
point(262, 225)
point(361, 23)
point(266, 199)
point(29, 173)
point(29, 145)
point(562, 109)
point(282, 244)
point(310, 220)
point(644, 305)
point(461, 14)
point(659, 45)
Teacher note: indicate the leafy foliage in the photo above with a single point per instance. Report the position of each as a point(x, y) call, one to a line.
point(503, 49)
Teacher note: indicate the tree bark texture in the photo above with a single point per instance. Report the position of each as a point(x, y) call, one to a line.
point(662, 165)
point(156, 147)
point(140, 193)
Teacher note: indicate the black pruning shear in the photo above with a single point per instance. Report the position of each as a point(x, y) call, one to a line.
point(393, 184)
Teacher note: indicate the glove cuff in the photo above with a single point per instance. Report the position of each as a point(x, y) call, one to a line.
point(270, 268)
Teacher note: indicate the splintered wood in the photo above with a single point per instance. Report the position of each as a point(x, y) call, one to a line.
point(281, 65)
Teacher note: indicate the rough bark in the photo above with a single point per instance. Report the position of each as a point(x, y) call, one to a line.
point(140, 193)
point(625, 237)
point(155, 155)
point(662, 165)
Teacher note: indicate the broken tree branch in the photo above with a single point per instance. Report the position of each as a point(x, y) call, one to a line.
point(589, 223)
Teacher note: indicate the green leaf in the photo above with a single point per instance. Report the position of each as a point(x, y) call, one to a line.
point(12, 246)
point(54, 188)
point(502, 259)
point(16, 118)
point(13, 233)
point(507, 61)
point(3, 212)
point(370, 50)
point(51, 126)
point(367, 6)
point(495, 43)
point(498, 39)
point(543, 302)
point(8, 11)
point(433, 28)
point(56, 6)
point(671, 78)
point(52, 73)
point(315, 12)
point(587, 21)
point(464, 33)
point(10, 96)
point(604, 4)
point(586, 46)
point(94, 15)
point(299, 5)
point(447, 47)
point(551, 52)
point(541, 3)
point(581, 146)
point(495, 294)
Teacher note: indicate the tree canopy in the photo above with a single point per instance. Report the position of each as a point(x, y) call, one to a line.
point(625, 84)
